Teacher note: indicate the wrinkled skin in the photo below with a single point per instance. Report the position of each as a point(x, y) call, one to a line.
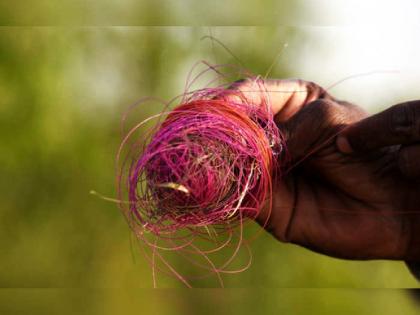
point(353, 205)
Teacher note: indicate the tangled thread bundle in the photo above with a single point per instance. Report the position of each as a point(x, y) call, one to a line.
point(210, 163)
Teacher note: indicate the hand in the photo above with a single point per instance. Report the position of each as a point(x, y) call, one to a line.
point(398, 126)
point(354, 206)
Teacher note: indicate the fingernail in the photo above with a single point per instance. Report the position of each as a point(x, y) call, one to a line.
point(343, 145)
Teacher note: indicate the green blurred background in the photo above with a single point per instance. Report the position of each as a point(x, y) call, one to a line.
point(63, 90)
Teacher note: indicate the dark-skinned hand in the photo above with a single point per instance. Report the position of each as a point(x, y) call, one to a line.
point(350, 188)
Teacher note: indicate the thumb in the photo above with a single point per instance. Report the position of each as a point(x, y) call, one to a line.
point(400, 124)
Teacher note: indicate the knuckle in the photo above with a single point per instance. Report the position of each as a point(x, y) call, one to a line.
point(324, 105)
point(327, 111)
point(314, 91)
point(310, 86)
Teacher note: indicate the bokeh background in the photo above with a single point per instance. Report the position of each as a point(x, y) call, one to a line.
point(64, 85)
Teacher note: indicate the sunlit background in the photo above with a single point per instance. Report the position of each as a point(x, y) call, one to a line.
point(63, 89)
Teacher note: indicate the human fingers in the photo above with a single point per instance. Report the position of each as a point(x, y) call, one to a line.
point(399, 124)
point(285, 96)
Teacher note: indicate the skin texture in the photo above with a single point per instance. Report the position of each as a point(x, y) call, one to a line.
point(337, 196)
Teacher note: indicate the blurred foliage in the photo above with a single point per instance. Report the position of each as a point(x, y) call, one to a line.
point(62, 93)
point(149, 12)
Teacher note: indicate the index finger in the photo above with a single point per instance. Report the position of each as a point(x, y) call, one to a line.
point(400, 124)
point(286, 96)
